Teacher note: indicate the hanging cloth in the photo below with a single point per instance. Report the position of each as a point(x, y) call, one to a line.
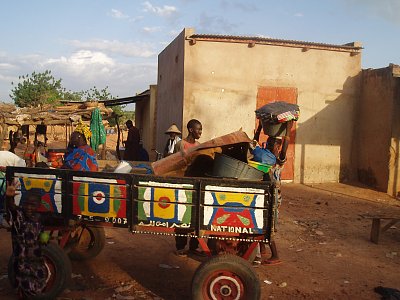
point(97, 128)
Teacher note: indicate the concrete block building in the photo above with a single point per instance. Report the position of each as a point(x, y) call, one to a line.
point(222, 80)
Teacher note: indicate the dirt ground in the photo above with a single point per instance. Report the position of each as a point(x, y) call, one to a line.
point(322, 240)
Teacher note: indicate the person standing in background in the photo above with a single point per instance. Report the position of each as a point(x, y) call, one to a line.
point(132, 148)
point(7, 159)
point(174, 138)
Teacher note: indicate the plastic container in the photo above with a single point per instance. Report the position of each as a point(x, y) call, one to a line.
point(274, 129)
point(259, 166)
point(229, 167)
point(55, 158)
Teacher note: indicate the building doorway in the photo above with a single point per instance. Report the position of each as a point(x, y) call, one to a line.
point(267, 94)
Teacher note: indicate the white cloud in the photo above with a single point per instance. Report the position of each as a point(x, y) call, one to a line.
point(151, 29)
point(299, 15)
point(81, 60)
point(86, 69)
point(82, 70)
point(130, 49)
point(6, 66)
point(164, 11)
point(115, 13)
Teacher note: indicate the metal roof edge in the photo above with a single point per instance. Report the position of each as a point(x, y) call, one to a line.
point(349, 47)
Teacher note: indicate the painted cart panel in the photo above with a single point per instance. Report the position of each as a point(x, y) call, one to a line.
point(100, 200)
point(151, 204)
point(234, 210)
point(46, 185)
point(165, 204)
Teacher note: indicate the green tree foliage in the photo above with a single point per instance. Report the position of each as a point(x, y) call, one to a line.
point(72, 96)
point(103, 94)
point(36, 89)
point(42, 88)
point(95, 94)
point(126, 115)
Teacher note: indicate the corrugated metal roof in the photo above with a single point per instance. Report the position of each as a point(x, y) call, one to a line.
point(351, 47)
point(122, 101)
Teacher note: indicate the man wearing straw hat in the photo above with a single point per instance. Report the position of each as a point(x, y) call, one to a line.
point(173, 133)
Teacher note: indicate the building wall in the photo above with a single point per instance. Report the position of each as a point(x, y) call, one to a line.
point(170, 88)
point(394, 158)
point(145, 120)
point(378, 129)
point(373, 134)
point(221, 84)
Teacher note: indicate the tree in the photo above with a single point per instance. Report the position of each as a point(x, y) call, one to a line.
point(95, 94)
point(42, 88)
point(72, 96)
point(36, 89)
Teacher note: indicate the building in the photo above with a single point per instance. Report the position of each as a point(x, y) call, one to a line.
point(222, 80)
point(377, 139)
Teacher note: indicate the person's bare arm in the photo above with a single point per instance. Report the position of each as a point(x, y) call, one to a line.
point(178, 146)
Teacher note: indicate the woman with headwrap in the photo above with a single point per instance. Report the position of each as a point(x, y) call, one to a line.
point(80, 155)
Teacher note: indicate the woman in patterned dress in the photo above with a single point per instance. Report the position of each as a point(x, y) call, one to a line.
point(29, 264)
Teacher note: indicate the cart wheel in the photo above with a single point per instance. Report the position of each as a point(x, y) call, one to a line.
point(225, 277)
point(91, 242)
point(58, 268)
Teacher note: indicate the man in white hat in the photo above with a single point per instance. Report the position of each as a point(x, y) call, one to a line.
point(173, 133)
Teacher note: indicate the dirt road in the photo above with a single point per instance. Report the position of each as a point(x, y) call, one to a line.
point(322, 240)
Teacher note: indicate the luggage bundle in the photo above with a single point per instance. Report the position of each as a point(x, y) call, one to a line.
point(275, 115)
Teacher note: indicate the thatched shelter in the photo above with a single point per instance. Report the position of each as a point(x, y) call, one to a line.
point(14, 117)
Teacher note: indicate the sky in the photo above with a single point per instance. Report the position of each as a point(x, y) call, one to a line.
point(88, 43)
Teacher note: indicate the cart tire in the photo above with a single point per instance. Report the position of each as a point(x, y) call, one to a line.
point(58, 266)
point(89, 245)
point(225, 277)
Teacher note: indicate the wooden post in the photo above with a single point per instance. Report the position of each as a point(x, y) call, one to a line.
point(3, 134)
point(104, 149)
point(118, 138)
point(375, 230)
point(66, 135)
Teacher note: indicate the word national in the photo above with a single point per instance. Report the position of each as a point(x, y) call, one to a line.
point(231, 229)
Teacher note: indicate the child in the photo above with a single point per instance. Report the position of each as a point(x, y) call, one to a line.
point(29, 265)
point(195, 129)
point(273, 146)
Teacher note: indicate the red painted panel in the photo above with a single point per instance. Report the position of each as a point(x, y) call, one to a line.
point(266, 95)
